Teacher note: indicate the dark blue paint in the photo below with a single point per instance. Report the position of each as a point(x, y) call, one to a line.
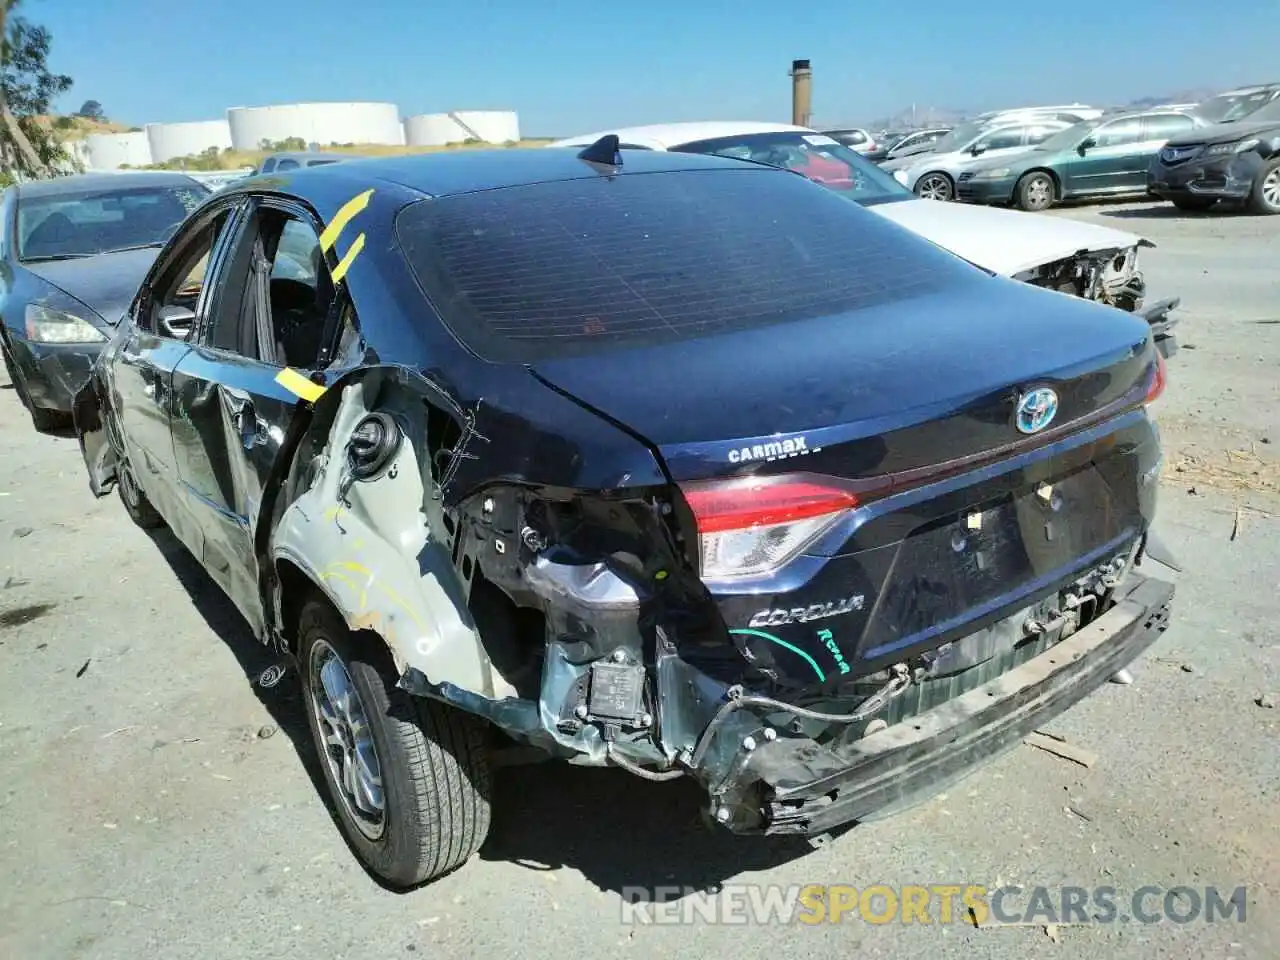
point(887, 390)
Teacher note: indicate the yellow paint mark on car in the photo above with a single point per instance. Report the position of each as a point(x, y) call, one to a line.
point(344, 265)
point(296, 383)
point(346, 213)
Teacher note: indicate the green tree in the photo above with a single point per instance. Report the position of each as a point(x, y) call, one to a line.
point(27, 91)
point(91, 110)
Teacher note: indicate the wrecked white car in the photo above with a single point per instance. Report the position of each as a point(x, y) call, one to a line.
point(672, 463)
point(1090, 261)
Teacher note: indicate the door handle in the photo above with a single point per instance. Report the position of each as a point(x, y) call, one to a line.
point(251, 427)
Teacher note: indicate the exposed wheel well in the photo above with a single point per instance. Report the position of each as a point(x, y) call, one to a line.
point(295, 588)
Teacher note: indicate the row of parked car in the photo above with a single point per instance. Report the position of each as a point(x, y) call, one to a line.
point(638, 452)
point(1191, 154)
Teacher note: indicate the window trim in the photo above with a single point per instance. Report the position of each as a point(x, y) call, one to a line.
point(297, 210)
point(234, 206)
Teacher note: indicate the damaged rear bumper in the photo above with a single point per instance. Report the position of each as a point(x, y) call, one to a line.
point(795, 786)
point(1159, 316)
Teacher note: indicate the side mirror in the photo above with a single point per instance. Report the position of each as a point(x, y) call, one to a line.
point(1087, 144)
point(177, 322)
point(977, 149)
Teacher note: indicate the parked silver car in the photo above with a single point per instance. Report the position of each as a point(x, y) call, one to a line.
point(933, 175)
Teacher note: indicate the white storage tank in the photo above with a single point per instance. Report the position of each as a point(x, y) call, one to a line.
point(322, 123)
point(171, 140)
point(111, 151)
point(458, 126)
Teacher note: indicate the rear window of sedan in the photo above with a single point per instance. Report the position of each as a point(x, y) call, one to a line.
point(549, 270)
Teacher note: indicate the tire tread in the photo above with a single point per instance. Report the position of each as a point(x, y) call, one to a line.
point(447, 785)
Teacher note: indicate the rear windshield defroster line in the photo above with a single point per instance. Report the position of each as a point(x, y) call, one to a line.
point(575, 267)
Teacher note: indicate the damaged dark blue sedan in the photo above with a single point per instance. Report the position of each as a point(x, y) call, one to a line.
point(676, 463)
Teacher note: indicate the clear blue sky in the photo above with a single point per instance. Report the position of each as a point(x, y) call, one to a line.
point(568, 67)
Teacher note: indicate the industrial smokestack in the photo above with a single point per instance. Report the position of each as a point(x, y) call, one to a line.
point(801, 93)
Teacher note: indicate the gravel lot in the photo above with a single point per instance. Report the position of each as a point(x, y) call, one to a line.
point(158, 802)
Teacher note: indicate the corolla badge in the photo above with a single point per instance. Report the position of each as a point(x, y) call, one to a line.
point(1036, 410)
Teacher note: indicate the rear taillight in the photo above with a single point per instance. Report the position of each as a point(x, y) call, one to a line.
point(752, 526)
point(1159, 377)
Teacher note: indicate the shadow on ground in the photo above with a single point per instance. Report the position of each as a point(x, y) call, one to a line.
point(619, 831)
point(1168, 211)
point(281, 694)
point(624, 834)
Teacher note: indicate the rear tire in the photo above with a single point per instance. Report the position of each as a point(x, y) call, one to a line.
point(935, 186)
point(416, 799)
point(1194, 204)
point(1265, 196)
point(1035, 192)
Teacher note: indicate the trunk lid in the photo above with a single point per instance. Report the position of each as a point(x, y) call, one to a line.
point(882, 390)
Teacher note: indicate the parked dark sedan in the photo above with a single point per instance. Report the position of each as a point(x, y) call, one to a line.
point(72, 253)
point(1094, 159)
point(1237, 160)
point(677, 463)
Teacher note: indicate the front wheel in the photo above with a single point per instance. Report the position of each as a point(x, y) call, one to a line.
point(1035, 192)
point(44, 421)
point(409, 776)
point(1265, 196)
point(935, 186)
point(135, 501)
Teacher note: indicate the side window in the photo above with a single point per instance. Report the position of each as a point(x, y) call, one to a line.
point(1118, 132)
point(287, 165)
point(1002, 139)
point(278, 293)
point(1166, 125)
point(1039, 134)
point(179, 285)
point(267, 166)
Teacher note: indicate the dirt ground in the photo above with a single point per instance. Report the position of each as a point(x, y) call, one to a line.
point(156, 800)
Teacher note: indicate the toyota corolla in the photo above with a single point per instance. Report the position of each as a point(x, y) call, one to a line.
point(680, 464)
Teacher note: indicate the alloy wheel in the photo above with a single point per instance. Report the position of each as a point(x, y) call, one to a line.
point(934, 187)
point(348, 747)
point(1271, 189)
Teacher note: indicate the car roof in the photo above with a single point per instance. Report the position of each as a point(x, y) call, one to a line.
point(664, 136)
point(101, 181)
point(453, 172)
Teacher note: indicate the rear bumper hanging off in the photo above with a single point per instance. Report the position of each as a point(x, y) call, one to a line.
point(794, 786)
point(1158, 316)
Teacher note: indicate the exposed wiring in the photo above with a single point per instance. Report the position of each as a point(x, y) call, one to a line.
point(638, 770)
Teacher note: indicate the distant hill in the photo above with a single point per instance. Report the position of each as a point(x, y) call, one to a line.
point(77, 128)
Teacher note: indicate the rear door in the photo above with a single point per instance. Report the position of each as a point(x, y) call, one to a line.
point(156, 334)
point(240, 385)
point(1106, 161)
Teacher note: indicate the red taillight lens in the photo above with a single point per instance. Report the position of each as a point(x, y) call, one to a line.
point(1159, 378)
point(752, 526)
